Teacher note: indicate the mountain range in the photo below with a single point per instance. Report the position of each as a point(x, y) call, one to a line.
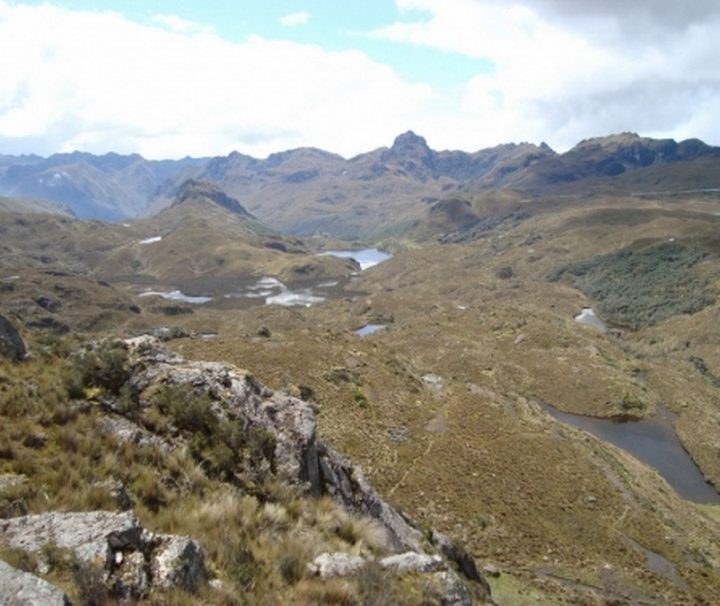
point(308, 191)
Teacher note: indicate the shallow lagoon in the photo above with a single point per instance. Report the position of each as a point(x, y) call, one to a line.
point(652, 441)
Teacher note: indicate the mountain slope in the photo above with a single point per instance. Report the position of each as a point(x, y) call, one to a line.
point(25, 205)
point(108, 187)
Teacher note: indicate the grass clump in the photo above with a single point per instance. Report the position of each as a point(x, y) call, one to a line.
point(360, 398)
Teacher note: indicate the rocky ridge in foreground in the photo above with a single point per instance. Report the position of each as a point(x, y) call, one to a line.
point(277, 434)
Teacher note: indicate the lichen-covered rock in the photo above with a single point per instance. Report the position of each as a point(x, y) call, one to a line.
point(239, 396)
point(18, 588)
point(339, 564)
point(12, 346)
point(413, 562)
point(91, 536)
point(126, 431)
point(131, 579)
point(133, 560)
point(177, 562)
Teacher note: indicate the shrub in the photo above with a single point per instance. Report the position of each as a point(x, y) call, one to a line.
point(104, 367)
point(360, 398)
point(632, 403)
point(222, 446)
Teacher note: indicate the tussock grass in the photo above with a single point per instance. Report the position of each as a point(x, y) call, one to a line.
point(257, 543)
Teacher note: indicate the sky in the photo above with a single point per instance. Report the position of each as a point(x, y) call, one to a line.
point(168, 79)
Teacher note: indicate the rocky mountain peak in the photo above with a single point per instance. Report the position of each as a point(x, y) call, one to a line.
point(409, 143)
point(194, 189)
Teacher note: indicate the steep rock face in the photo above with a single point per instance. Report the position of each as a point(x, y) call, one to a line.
point(12, 346)
point(18, 588)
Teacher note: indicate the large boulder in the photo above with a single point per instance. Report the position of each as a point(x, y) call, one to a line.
point(93, 536)
point(12, 347)
point(133, 560)
point(18, 588)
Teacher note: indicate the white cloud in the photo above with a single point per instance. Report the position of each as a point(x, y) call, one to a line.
point(565, 70)
point(99, 82)
point(294, 19)
point(178, 24)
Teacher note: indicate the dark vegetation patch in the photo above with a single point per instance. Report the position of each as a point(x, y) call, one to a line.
point(484, 225)
point(643, 284)
point(703, 369)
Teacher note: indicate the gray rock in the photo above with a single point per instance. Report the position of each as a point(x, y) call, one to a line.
point(339, 564)
point(412, 561)
point(91, 536)
point(126, 431)
point(239, 397)
point(455, 592)
point(131, 579)
point(11, 480)
point(459, 556)
point(12, 346)
point(132, 560)
point(18, 588)
point(177, 562)
point(167, 333)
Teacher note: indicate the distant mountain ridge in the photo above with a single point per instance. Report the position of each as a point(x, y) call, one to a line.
point(108, 187)
point(309, 191)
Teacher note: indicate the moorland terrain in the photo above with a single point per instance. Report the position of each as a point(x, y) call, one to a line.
point(449, 408)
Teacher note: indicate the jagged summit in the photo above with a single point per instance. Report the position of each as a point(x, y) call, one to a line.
point(194, 189)
point(409, 142)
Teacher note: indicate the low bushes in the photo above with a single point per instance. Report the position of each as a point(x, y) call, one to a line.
point(642, 284)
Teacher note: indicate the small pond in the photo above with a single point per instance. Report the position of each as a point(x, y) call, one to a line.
point(176, 295)
point(366, 257)
point(652, 441)
point(369, 329)
point(589, 317)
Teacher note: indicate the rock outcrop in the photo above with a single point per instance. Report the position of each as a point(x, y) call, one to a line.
point(297, 457)
point(12, 347)
point(133, 560)
point(18, 588)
